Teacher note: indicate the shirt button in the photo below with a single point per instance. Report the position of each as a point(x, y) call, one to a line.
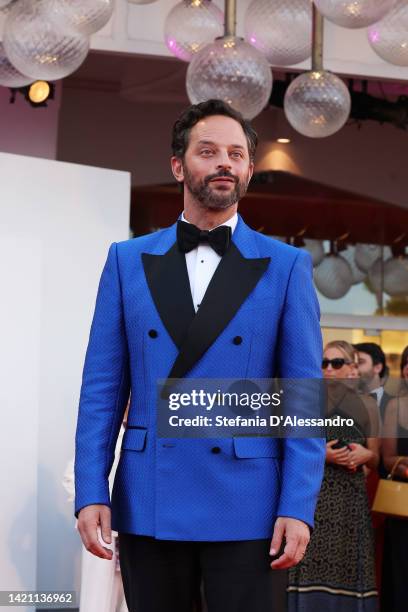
point(237, 340)
point(153, 333)
point(216, 450)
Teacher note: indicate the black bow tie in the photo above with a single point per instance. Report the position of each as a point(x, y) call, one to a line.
point(189, 237)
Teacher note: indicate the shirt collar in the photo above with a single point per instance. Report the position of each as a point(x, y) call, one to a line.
point(231, 222)
point(379, 391)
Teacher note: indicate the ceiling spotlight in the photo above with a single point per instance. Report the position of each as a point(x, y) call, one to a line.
point(283, 140)
point(39, 92)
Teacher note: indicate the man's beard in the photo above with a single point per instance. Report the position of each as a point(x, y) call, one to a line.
point(365, 381)
point(207, 197)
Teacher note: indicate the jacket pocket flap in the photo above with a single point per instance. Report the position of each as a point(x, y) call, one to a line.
point(248, 447)
point(134, 439)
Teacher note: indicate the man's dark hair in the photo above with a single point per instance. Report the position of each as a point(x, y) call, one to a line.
point(376, 353)
point(194, 113)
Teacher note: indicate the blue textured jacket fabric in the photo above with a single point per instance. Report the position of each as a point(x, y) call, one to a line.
point(182, 490)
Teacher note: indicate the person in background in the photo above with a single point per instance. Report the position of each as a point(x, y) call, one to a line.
point(394, 596)
point(374, 373)
point(372, 368)
point(337, 572)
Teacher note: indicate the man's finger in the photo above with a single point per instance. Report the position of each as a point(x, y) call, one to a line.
point(105, 518)
point(92, 544)
point(89, 520)
point(277, 538)
point(287, 559)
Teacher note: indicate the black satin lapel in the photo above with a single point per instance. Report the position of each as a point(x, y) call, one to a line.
point(233, 280)
point(167, 278)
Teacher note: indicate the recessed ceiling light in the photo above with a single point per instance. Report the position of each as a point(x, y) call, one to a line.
point(283, 140)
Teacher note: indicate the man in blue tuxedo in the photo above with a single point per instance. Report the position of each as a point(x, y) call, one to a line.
point(207, 297)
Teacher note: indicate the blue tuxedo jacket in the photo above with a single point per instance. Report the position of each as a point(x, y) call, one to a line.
point(145, 328)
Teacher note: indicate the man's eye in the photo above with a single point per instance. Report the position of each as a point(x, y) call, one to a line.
point(236, 154)
point(206, 152)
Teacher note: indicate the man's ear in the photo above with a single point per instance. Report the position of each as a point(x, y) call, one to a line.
point(177, 168)
point(250, 171)
point(377, 368)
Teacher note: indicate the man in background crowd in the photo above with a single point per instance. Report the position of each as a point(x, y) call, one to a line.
point(373, 372)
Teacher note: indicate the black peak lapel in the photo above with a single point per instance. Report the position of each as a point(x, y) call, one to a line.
point(233, 280)
point(167, 279)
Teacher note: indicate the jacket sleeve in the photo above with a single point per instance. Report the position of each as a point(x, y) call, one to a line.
point(104, 392)
point(300, 356)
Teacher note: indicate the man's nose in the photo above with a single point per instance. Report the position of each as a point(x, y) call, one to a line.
point(223, 160)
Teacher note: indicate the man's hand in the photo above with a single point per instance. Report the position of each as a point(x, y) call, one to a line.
point(89, 519)
point(297, 536)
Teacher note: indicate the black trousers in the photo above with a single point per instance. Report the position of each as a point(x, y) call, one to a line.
point(165, 576)
point(394, 588)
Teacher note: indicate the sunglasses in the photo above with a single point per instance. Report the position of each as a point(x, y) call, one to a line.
point(336, 363)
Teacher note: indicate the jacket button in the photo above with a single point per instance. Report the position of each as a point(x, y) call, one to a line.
point(216, 450)
point(153, 333)
point(237, 340)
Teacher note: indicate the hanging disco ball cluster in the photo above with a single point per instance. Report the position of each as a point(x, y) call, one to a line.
point(221, 65)
point(386, 22)
point(190, 25)
point(337, 272)
point(232, 70)
point(317, 103)
point(47, 39)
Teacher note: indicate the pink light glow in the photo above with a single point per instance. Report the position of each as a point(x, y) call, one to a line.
point(374, 36)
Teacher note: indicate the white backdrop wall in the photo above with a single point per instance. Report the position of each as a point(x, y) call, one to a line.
point(57, 221)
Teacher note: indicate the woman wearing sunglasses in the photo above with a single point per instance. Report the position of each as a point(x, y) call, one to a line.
point(394, 594)
point(338, 572)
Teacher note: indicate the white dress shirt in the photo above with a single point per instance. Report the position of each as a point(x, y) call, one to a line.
point(379, 393)
point(202, 263)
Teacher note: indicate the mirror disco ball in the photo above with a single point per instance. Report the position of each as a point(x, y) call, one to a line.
point(10, 76)
point(281, 30)
point(389, 37)
point(375, 275)
point(354, 13)
point(230, 69)
point(315, 250)
point(365, 255)
point(333, 277)
point(317, 104)
point(86, 16)
point(38, 45)
point(396, 276)
point(349, 255)
point(191, 25)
